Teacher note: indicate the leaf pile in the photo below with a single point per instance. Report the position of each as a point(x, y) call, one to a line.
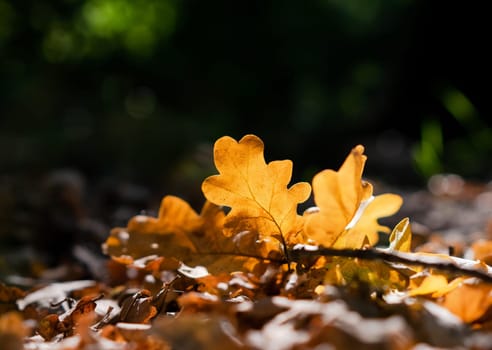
point(249, 271)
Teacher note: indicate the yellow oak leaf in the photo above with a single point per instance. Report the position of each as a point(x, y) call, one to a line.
point(366, 227)
point(338, 195)
point(347, 212)
point(256, 192)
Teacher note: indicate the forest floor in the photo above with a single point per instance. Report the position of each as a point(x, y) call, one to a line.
point(58, 290)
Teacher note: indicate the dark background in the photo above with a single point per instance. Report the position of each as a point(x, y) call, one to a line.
point(135, 88)
point(105, 103)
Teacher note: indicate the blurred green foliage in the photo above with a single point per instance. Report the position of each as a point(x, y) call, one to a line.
point(98, 27)
point(141, 88)
point(428, 152)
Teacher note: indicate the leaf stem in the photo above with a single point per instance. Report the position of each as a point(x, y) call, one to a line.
point(286, 250)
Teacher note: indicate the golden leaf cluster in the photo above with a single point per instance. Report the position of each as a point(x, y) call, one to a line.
point(263, 219)
point(251, 220)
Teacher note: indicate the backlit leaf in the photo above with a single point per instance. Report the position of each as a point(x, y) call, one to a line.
point(255, 191)
point(338, 195)
point(348, 212)
point(401, 236)
point(366, 228)
point(429, 285)
point(451, 285)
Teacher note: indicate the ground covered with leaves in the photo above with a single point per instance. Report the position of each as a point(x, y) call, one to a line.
point(251, 270)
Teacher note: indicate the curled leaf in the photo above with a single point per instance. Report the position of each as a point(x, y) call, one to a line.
point(401, 236)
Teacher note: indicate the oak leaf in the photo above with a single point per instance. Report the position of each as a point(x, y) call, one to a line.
point(255, 191)
point(194, 239)
point(366, 227)
point(346, 214)
point(168, 234)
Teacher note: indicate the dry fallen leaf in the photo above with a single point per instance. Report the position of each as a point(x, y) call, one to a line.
point(482, 250)
point(347, 212)
point(194, 239)
point(401, 236)
point(470, 300)
point(256, 192)
point(338, 195)
point(167, 234)
point(429, 285)
point(366, 227)
point(12, 330)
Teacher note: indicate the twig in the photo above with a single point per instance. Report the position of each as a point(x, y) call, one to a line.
point(447, 263)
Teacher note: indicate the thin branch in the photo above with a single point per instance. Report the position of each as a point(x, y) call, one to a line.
point(446, 263)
